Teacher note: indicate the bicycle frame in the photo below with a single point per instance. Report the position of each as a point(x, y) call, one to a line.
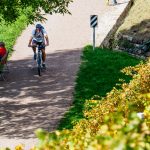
point(39, 57)
point(39, 60)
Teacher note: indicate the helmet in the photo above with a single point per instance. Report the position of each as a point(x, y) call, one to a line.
point(39, 26)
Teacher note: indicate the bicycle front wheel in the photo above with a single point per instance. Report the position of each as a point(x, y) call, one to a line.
point(39, 70)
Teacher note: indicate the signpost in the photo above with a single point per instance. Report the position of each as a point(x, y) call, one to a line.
point(94, 23)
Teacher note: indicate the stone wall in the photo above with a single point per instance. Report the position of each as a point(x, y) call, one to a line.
point(137, 47)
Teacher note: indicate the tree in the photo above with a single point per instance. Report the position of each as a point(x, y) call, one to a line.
point(10, 10)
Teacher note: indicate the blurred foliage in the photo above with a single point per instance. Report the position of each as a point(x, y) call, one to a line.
point(10, 10)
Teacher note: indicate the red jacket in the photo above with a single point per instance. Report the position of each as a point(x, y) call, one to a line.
point(2, 51)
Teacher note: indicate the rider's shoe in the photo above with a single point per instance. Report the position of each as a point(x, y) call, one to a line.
point(34, 56)
point(44, 66)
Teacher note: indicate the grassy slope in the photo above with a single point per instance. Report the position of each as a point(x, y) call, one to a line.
point(99, 73)
point(9, 33)
point(137, 23)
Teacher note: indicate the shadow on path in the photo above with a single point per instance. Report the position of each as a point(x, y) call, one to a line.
point(28, 102)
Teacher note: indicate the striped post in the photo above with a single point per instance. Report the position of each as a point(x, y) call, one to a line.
point(94, 23)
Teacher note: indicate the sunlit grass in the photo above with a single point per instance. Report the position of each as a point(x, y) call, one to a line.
point(10, 32)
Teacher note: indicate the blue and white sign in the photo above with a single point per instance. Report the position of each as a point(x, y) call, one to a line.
point(94, 21)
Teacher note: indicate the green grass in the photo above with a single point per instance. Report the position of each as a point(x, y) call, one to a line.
point(10, 32)
point(99, 72)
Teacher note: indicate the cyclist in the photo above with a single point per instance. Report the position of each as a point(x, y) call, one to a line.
point(2, 50)
point(39, 35)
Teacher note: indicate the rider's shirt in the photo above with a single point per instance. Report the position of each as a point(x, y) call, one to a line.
point(39, 36)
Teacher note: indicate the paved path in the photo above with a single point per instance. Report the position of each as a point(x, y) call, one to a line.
point(27, 101)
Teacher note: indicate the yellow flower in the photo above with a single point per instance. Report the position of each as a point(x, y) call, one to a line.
point(19, 147)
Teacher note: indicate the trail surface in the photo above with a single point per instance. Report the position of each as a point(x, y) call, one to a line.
point(27, 101)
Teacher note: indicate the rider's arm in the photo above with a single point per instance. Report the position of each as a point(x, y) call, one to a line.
point(30, 41)
point(46, 37)
point(31, 38)
point(47, 40)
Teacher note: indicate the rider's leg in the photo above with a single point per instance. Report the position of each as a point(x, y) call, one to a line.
point(43, 58)
point(43, 55)
point(34, 51)
point(34, 44)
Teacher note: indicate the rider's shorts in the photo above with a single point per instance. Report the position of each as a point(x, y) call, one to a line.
point(41, 44)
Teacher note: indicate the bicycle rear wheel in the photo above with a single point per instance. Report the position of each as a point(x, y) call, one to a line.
point(39, 70)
